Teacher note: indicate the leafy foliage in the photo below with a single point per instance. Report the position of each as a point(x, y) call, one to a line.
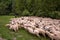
point(44, 8)
point(5, 7)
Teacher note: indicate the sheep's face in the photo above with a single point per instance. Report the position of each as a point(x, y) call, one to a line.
point(8, 25)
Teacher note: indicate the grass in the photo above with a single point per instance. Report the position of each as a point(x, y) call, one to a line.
point(20, 35)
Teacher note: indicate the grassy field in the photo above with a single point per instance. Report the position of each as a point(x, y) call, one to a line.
point(22, 34)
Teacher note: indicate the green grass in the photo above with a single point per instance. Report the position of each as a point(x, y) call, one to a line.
point(20, 35)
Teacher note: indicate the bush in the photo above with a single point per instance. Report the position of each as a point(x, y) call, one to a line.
point(44, 8)
point(26, 13)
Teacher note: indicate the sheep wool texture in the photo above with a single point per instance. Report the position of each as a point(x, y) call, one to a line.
point(37, 25)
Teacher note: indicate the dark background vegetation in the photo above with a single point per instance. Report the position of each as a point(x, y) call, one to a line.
point(44, 8)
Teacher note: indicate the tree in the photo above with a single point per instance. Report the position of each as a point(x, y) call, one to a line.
point(5, 7)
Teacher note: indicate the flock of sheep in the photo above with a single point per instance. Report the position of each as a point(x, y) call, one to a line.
point(37, 25)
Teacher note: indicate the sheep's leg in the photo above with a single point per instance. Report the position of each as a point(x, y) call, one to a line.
point(51, 38)
point(38, 35)
point(43, 34)
point(17, 28)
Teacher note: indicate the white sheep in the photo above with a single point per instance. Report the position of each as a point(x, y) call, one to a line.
point(50, 35)
point(32, 31)
point(14, 27)
point(41, 31)
point(53, 36)
point(45, 25)
point(36, 32)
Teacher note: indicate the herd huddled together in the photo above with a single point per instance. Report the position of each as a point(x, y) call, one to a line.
point(37, 25)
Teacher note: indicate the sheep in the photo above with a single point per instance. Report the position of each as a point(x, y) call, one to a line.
point(36, 32)
point(41, 31)
point(14, 27)
point(36, 25)
point(56, 28)
point(8, 25)
point(57, 35)
point(50, 35)
point(32, 24)
point(47, 19)
point(32, 31)
point(53, 36)
point(47, 27)
point(22, 21)
point(29, 24)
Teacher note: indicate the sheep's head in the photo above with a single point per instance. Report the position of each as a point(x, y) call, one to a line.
point(8, 25)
